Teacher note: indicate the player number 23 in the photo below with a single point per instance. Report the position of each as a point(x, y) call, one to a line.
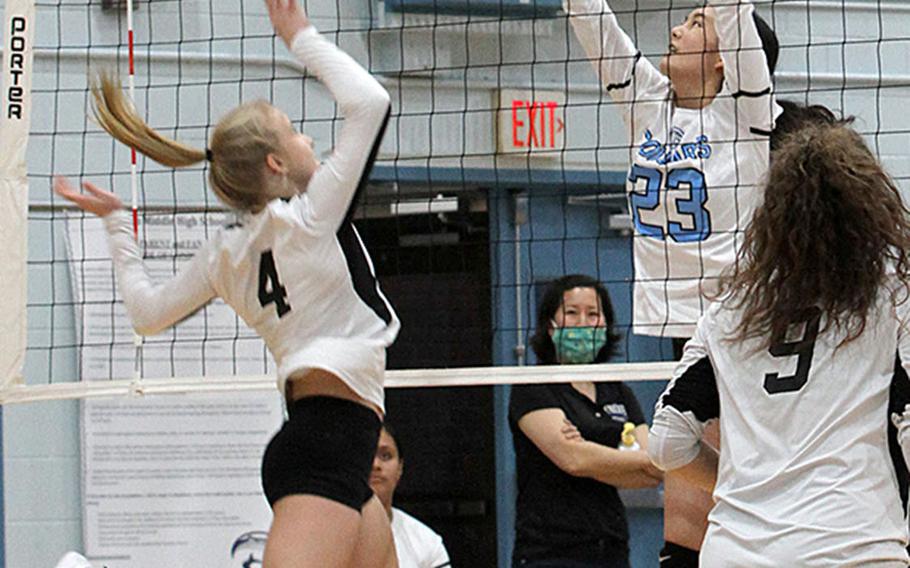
point(656, 190)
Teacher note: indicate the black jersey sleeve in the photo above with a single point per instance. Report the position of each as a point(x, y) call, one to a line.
point(689, 401)
point(902, 313)
point(694, 390)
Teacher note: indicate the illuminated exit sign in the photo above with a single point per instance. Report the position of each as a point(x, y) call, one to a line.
point(531, 122)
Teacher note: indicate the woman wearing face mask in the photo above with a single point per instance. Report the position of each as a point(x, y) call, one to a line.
point(567, 440)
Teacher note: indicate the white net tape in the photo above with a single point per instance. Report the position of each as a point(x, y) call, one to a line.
point(414, 378)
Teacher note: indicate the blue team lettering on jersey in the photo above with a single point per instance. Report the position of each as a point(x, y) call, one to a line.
point(656, 151)
point(657, 185)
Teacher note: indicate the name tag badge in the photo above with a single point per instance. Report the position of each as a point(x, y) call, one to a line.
point(617, 412)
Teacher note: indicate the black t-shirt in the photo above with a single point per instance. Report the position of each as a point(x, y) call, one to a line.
point(559, 515)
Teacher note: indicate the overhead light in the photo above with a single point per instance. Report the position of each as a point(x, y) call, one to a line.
point(438, 204)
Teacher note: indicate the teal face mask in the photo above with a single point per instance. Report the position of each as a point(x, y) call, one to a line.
point(578, 345)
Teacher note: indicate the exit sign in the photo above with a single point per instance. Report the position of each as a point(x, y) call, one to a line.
point(531, 122)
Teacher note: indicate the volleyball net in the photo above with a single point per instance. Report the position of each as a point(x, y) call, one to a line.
point(503, 167)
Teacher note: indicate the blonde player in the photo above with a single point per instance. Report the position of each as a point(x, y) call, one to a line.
point(296, 271)
point(796, 358)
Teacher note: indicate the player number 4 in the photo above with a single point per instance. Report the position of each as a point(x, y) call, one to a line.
point(270, 288)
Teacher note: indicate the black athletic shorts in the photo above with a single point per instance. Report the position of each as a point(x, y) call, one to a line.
point(325, 448)
point(676, 556)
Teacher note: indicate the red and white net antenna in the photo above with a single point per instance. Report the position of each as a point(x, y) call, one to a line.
point(134, 174)
point(134, 183)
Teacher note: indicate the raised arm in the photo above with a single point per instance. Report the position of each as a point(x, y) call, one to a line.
point(746, 74)
point(363, 103)
point(152, 308)
point(688, 403)
point(626, 75)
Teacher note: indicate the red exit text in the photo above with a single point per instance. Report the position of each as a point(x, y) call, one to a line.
point(535, 124)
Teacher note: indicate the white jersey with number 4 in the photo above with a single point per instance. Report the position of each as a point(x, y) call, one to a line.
point(297, 271)
point(805, 476)
point(695, 175)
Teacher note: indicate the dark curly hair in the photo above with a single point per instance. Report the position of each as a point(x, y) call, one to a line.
point(795, 116)
point(831, 229)
point(551, 301)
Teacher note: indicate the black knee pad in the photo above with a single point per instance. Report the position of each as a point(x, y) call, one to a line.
point(325, 448)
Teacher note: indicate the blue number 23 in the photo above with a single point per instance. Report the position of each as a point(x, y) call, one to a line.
point(694, 206)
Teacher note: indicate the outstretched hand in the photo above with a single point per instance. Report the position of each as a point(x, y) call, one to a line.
point(287, 17)
point(97, 200)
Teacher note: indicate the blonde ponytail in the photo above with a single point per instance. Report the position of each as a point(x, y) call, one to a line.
point(116, 114)
point(240, 143)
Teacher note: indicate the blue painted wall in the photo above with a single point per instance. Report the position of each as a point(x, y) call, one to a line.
point(559, 238)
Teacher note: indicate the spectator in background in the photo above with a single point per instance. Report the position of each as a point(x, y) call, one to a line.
point(567, 439)
point(417, 545)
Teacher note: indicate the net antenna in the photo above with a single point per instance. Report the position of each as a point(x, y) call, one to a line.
point(134, 173)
